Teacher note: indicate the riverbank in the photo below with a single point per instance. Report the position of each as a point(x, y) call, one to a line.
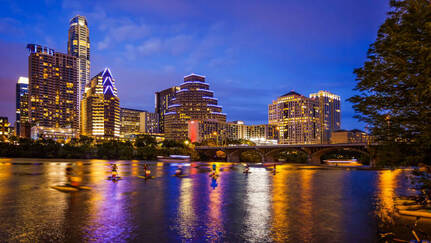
point(29, 161)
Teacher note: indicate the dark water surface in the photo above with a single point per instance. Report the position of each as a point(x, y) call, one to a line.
point(297, 204)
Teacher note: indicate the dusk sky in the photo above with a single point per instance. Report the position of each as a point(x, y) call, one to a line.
point(251, 51)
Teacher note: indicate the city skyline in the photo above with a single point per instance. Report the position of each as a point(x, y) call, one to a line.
point(160, 55)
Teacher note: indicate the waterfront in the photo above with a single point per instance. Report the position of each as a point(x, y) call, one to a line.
point(298, 204)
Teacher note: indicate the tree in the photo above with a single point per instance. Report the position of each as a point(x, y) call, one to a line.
point(145, 140)
point(394, 84)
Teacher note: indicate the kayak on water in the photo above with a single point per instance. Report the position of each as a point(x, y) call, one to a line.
point(116, 178)
point(67, 188)
point(180, 176)
point(146, 177)
point(426, 213)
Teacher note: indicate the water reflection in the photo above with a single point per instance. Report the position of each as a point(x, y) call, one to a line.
point(186, 214)
point(258, 208)
point(386, 184)
point(298, 204)
point(280, 206)
point(214, 217)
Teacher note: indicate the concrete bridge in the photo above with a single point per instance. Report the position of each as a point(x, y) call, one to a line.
point(267, 152)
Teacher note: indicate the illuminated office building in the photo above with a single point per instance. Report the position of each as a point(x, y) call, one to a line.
point(297, 118)
point(221, 132)
point(78, 45)
point(100, 108)
point(4, 128)
point(352, 136)
point(134, 122)
point(52, 88)
point(194, 101)
point(21, 104)
point(163, 100)
point(330, 113)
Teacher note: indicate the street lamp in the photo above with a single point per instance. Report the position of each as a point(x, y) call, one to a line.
point(216, 137)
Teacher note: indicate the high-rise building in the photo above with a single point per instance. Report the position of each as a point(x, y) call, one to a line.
point(297, 118)
point(194, 101)
point(163, 100)
point(134, 122)
point(78, 45)
point(21, 104)
point(330, 113)
point(100, 107)
point(52, 88)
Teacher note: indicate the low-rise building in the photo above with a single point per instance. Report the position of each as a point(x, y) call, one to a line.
point(221, 132)
point(352, 136)
point(54, 133)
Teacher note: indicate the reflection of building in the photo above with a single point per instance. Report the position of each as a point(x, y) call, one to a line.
point(21, 104)
point(297, 118)
point(199, 131)
point(194, 101)
point(78, 45)
point(4, 128)
point(52, 88)
point(330, 113)
point(100, 107)
point(163, 100)
point(138, 122)
point(352, 136)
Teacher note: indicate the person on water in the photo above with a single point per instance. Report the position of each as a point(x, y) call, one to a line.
point(274, 169)
point(246, 169)
point(179, 171)
point(214, 170)
point(147, 172)
point(114, 170)
point(72, 179)
point(69, 174)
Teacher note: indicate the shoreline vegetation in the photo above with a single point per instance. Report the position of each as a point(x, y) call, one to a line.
point(145, 147)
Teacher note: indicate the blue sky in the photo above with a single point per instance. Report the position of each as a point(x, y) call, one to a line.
point(251, 51)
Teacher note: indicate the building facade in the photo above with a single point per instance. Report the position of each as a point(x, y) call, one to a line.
point(297, 119)
point(100, 108)
point(330, 113)
point(52, 88)
point(4, 128)
point(134, 122)
point(352, 136)
point(222, 132)
point(78, 45)
point(194, 101)
point(163, 99)
point(21, 100)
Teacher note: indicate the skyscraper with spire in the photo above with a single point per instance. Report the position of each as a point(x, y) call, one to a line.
point(78, 45)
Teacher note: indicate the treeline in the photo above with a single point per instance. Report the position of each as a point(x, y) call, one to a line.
point(144, 147)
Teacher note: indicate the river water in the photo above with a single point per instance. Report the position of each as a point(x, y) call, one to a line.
point(297, 204)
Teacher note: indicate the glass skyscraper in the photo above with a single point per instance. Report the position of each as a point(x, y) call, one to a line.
point(78, 45)
point(21, 104)
point(163, 100)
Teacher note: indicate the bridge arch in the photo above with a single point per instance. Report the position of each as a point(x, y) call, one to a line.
point(315, 156)
point(269, 156)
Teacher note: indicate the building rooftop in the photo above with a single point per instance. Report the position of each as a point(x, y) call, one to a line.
point(23, 80)
point(291, 93)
